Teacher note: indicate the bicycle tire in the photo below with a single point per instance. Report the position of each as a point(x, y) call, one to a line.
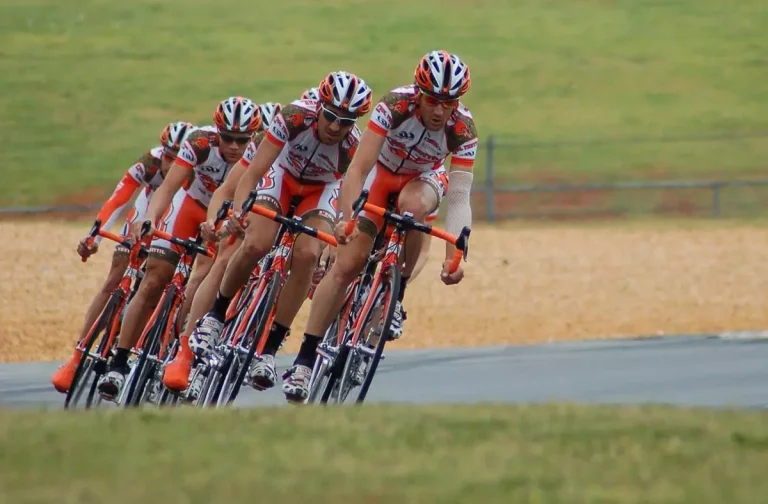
point(267, 302)
point(393, 279)
point(139, 373)
point(102, 325)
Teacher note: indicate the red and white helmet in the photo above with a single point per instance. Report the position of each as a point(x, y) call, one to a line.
point(310, 94)
point(237, 114)
point(345, 91)
point(268, 111)
point(442, 75)
point(173, 134)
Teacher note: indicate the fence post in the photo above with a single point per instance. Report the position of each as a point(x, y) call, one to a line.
point(715, 200)
point(490, 206)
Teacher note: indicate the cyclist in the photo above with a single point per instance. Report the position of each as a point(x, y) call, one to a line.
point(146, 174)
point(174, 374)
point(206, 158)
point(310, 94)
point(307, 150)
point(412, 130)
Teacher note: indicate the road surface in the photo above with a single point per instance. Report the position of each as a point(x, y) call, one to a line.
point(702, 370)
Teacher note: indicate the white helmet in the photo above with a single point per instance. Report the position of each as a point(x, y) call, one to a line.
point(268, 111)
point(310, 94)
point(237, 114)
point(442, 74)
point(345, 91)
point(173, 134)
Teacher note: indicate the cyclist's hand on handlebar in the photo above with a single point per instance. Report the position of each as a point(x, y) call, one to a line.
point(451, 278)
point(86, 250)
point(208, 231)
point(232, 225)
point(340, 233)
point(136, 231)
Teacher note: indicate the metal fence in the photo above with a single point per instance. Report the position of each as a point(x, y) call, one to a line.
point(503, 187)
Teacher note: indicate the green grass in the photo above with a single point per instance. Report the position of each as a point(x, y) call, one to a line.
point(554, 453)
point(88, 85)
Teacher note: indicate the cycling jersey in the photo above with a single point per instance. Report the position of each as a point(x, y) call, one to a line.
point(145, 171)
point(410, 147)
point(208, 169)
point(294, 130)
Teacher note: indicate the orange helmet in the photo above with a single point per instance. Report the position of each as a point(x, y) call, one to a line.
point(442, 75)
point(346, 91)
point(173, 134)
point(237, 114)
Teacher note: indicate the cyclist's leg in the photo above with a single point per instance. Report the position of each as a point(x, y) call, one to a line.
point(421, 261)
point(182, 219)
point(419, 197)
point(176, 374)
point(259, 238)
point(317, 211)
point(329, 295)
point(62, 378)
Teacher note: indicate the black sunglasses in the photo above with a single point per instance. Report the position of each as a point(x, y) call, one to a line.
point(237, 139)
point(330, 116)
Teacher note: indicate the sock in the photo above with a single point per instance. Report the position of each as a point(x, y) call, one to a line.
point(121, 358)
point(220, 306)
point(306, 356)
point(275, 338)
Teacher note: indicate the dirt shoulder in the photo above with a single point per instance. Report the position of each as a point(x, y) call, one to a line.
point(523, 284)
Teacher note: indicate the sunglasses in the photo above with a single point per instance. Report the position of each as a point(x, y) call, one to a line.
point(446, 104)
point(239, 140)
point(330, 116)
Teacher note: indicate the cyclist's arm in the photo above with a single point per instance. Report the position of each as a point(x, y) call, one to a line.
point(458, 211)
point(121, 196)
point(164, 194)
point(362, 163)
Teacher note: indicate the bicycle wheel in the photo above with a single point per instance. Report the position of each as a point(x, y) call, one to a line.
point(142, 372)
point(263, 313)
point(85, 368)
point(382, 309)
point(323, 377)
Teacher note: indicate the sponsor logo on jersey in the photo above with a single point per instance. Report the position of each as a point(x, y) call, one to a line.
point(188, 155)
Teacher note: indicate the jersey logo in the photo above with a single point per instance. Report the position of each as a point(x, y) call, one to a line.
point(461, 129)
point(201, 143)
point(406, 135)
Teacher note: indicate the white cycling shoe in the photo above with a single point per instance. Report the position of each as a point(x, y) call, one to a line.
point(205, 337)
point(262, 374)
point(296, 383)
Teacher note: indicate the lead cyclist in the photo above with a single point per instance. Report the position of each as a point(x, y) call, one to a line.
point(411, 133)
point(144, 176)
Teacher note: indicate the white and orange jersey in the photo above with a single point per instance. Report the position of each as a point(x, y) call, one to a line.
point(145, 172)
point(294, 129)
point(207, 168)
point(410, 147)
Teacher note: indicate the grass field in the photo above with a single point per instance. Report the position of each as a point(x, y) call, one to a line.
point(87, 86)
point(383, 454)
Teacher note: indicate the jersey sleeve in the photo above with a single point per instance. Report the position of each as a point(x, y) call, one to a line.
point(286, 125)
point(463, 142)
point(250, 151)
point(381, 119)
point(120, 197)
point(196, 147)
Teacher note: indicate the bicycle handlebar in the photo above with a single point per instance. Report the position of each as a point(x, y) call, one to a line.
point(295, 224)
point(97, 231)
point(461, 242)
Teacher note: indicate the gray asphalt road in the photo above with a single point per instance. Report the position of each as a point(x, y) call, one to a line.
point(691, 370)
